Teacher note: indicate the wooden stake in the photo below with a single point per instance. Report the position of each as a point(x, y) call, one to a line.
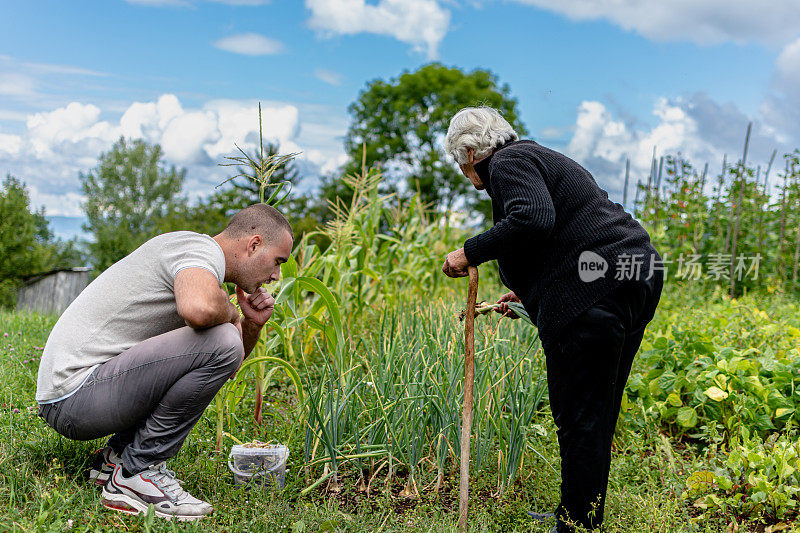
point(469, 383)
point(718, 206)
point(764, 205)
point(658, 187)
point(766, 176)
point(700, 226)
point(739, 204)
point(703, 179)
point(796, 253)
point(783, 223)
point(625, 187)
point(736, 233)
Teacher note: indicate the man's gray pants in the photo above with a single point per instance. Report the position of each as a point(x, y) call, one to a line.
point(150, 396)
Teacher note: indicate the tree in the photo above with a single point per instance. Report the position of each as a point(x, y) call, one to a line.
point(27, 245)
point(403, 122)
point(126, 196)
point(209, 216)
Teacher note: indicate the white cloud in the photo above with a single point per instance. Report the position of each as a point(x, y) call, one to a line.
point(16, 84)
point(186, 3)
point(46, 68)
point(700, 21)
point(159, 3)
point(328, 76)
point(251, 44)
point(186, 137)
point(420, 23)
point(199, 137)
point(10, 115)
point(242, 2)
point(56, 146)
point(698, 128)
point(49, 68)
point(782, 104)
point(553, 133)
point(49, 131)
point(334, 164)
point(26, 82)
point(146, 120)
point(788, 65)
point(10, 144)
point(68, 204)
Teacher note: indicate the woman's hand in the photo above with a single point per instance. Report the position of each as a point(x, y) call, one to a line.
point(455, 264)
point(504, 309)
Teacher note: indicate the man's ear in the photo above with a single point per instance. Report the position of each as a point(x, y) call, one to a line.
point(253, 244)
point(471, 153)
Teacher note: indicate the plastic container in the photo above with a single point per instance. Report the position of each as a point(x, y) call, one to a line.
point(262, 466)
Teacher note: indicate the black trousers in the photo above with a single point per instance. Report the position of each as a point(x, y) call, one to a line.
point(588, 365)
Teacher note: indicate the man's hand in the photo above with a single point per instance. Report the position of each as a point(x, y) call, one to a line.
point(455, 264)
point(256, 307)
point(504, 309)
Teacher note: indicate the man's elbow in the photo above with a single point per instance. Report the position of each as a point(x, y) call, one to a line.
point(199, 317)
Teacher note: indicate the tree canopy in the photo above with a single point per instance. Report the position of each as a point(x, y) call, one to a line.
point(27, 246)
point(127, 194)
point(403, 121)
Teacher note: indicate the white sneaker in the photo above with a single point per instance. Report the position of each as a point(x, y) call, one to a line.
point(105, 459)
point(155, 486)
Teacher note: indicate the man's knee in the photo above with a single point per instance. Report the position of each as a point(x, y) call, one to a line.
point(228, 344)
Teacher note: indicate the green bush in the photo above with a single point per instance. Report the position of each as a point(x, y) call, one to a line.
point(755, 478)
point(746, 376)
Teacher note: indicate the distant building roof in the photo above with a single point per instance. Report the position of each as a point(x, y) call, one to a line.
point(33, 278)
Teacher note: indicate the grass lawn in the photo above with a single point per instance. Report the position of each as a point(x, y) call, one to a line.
point(43, 486)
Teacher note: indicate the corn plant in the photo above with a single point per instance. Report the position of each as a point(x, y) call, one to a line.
point(261, 170)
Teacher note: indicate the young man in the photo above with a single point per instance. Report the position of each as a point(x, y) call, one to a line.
point(587, 275)
point(146, 346)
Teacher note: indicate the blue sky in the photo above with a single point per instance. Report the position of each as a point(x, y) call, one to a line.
point(601, 81)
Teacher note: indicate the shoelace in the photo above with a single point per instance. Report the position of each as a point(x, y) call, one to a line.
point(167, 481)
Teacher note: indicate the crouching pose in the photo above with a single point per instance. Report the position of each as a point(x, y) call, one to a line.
point(585, 272)
point(147, 345)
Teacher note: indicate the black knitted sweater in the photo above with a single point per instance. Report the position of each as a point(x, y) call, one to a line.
point(547, 210)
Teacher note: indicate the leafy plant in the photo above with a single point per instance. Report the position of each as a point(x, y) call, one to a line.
point(755, 478)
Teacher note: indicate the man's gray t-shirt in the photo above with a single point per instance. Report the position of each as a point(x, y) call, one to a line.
point(132, 301)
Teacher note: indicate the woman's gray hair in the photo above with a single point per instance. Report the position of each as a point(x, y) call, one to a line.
point(479, 128)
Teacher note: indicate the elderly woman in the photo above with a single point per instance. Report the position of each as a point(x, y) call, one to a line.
point(586, 273)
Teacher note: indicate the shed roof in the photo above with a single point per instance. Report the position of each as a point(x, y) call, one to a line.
point(33, 278)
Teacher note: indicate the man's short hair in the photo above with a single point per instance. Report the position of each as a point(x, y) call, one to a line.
point(257, 219)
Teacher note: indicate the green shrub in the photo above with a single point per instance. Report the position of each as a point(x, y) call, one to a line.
point(755, 478)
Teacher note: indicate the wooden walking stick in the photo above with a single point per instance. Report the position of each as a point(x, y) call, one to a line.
point(469, 382)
